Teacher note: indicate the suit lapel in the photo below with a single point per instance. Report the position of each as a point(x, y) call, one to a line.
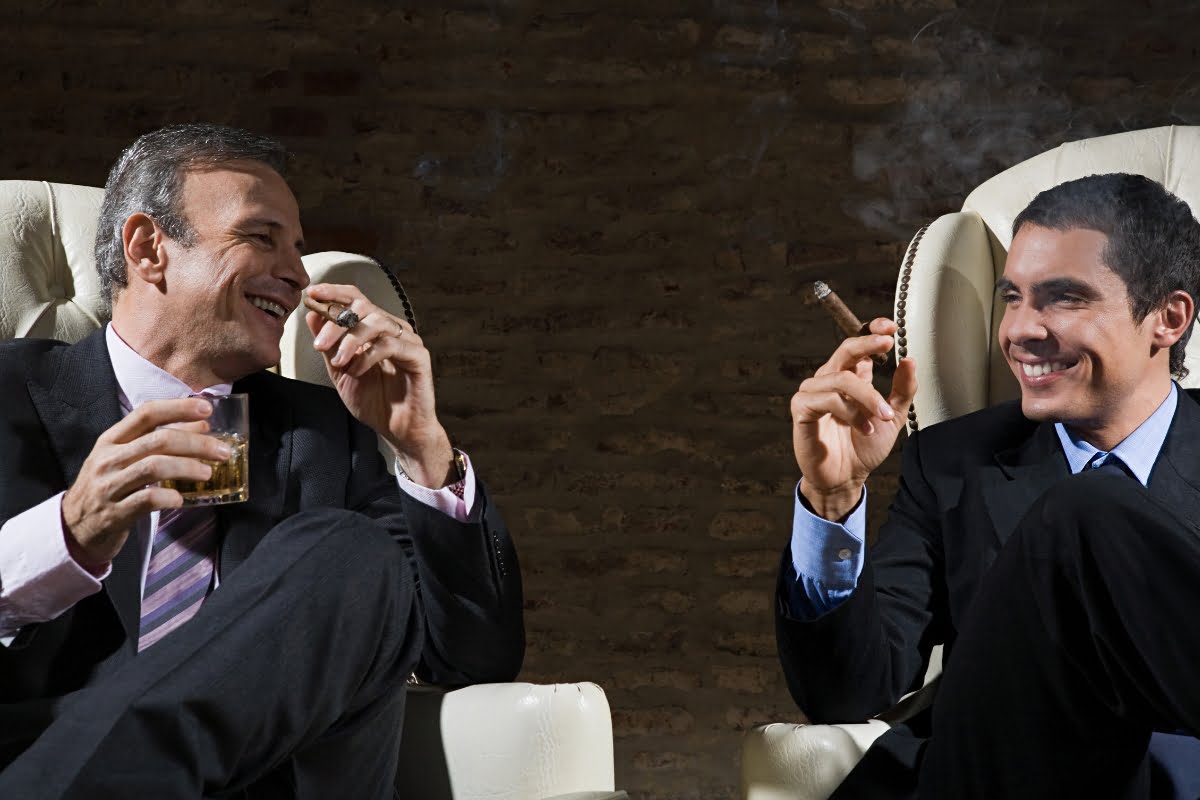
point(1175, 479)
point(75, 394)
point(1020, 476)
point(244, 524)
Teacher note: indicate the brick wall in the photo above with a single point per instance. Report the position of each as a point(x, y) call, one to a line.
point(607, 215)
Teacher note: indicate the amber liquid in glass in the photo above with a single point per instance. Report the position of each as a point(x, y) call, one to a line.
point(229, 482)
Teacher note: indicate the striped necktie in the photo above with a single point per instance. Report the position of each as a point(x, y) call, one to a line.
point(180, 574)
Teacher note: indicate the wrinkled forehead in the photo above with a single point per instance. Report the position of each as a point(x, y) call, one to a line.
point(222, 193)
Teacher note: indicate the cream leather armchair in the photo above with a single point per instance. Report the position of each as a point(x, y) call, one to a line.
point(948, 315)
point(516, 741)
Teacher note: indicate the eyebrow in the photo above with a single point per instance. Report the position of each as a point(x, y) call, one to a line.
point(1053, 285)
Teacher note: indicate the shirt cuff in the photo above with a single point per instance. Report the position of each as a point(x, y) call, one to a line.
point(455, 500)
point(827, 551)
point(38, 578)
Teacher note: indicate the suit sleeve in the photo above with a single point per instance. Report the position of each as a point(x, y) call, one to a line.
point(467, 575)
point(860, 658)
point(470, 583)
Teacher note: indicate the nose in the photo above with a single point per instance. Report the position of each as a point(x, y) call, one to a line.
point(291, 270)
point(1023, 323)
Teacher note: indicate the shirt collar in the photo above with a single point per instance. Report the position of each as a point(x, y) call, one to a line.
point(1139, 450)
point(139, 381)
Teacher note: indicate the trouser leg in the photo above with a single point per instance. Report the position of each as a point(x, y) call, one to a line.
point(1174, 765)
point(356, 757)
point(1081, 642)
point(313, 634)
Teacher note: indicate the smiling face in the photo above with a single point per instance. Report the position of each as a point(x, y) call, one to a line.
point(1069, 336)
point(222, 301)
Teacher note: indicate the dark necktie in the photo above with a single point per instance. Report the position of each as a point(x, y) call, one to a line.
point(1108, 463)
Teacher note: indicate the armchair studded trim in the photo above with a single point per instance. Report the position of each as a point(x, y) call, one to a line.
point(901, 316)
point(409, 314)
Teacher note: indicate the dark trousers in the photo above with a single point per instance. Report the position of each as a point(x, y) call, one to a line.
point(289, 682)
point(1082, 641)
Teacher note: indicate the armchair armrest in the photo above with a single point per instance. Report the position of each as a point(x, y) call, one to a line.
point(788, 761)
point(784, 761)
point(507, 741)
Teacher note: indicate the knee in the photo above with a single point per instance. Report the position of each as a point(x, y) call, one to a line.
point(343, 547)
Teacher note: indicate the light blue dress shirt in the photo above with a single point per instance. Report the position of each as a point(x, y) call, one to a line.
point(827, 557)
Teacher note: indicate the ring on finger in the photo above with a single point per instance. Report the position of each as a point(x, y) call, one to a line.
point(346, 319)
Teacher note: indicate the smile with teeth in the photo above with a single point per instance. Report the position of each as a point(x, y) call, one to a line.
point(1044, 368)
point(271, 307)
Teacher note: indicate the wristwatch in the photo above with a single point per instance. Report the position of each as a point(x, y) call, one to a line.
point(460, 465)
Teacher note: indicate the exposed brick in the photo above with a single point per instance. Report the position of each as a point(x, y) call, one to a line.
point(332, 83)
point(624, 565)
point(275, 79)
point(742, 526)
point(294, 121)
point(745, 602)
point(751, 680)
point(664, 721)
point(746, 565)
point(552, 519)
point(658, 679)
point(643, 643)
point(875, 91)
point(758, 645)
point(745, 717)
point(665, 762)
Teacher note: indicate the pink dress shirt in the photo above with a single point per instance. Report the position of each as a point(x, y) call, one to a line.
point(38, 577)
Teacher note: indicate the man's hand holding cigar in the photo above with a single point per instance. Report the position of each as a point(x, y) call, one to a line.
point(842, 427)
point(384, 375)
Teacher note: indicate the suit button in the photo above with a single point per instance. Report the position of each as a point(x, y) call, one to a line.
point(843, 554)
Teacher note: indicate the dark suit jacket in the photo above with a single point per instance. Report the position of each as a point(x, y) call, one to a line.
point(964, 486)
point(306, 452)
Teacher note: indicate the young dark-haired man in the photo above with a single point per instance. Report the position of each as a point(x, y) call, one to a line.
point(1050, 544)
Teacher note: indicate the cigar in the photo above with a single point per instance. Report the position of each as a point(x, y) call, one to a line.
point(334, 312)
point(844, 317)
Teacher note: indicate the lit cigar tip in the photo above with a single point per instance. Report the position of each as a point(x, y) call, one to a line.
point(821, 289)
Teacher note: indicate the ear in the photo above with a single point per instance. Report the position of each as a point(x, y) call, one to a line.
point(1174, 318)
point(145, 255)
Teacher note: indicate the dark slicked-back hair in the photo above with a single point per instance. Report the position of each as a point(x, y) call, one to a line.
point(1153, 238)
point(148, 179)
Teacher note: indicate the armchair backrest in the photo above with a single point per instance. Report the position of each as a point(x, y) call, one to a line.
point(48, 282)
point(945, 300)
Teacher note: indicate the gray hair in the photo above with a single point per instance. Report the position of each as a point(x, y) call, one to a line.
point(148, 179)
